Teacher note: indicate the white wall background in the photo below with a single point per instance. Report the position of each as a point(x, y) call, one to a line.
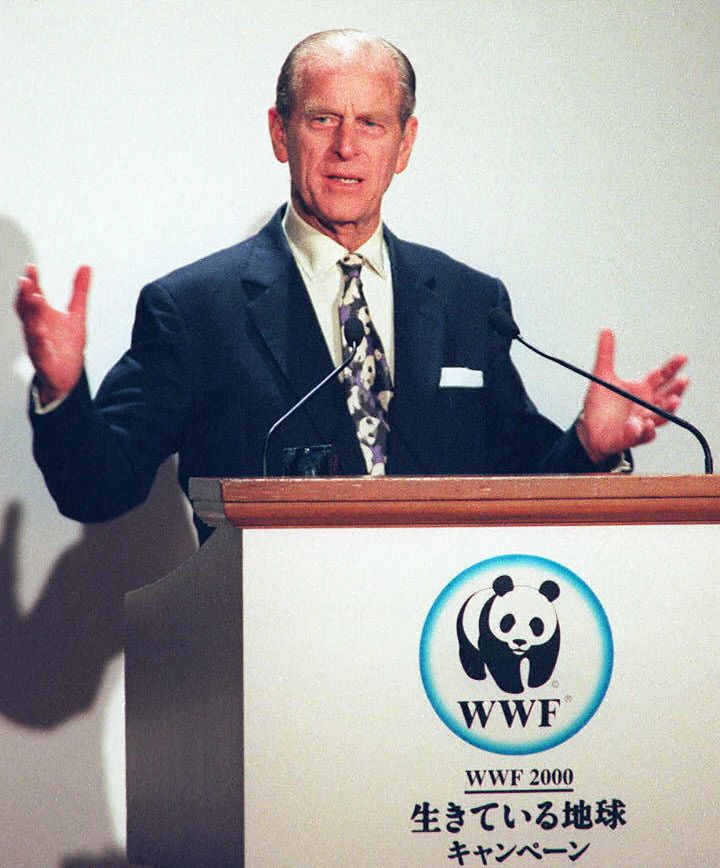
point(569, 147)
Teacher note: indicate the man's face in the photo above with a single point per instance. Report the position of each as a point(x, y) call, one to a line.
point(343, 142)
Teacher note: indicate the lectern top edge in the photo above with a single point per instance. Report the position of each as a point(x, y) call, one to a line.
point(459, 501)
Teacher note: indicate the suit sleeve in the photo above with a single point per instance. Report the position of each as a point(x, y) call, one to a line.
point(526, 441)
point(99, 457)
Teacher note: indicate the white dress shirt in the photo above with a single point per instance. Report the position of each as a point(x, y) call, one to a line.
point(317, 257)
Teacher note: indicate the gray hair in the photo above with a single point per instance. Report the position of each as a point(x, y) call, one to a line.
point(314, 45)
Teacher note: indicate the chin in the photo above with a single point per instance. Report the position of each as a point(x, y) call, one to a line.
point(351, 202)
point(337, 214)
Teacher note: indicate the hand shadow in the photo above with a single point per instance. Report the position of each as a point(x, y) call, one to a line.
point(109, 859)
point(57, 653)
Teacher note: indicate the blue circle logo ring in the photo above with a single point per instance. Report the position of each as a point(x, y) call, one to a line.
point(441, 690)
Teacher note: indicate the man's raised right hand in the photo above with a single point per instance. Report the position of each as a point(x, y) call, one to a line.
point(55, 339)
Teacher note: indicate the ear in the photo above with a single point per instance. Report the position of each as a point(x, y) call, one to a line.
point(503, 585)
point(406, 144)
point(278, 135)
point(549, 590)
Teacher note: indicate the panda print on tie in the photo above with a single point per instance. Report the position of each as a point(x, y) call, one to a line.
point(367, 377)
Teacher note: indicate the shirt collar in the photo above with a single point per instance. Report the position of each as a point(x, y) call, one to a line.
point(316, 253)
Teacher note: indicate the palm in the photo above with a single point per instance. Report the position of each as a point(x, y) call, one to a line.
point(610, 423)
point(55, 339)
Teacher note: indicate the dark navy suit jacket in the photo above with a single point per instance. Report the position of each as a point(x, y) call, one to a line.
point(223, 347)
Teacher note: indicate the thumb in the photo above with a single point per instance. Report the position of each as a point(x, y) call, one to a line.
point(81, 285)
point(605, 358)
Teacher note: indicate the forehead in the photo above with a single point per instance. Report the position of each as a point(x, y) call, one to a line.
point(363, 80)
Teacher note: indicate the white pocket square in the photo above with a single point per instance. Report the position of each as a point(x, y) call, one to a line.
point(460, 378)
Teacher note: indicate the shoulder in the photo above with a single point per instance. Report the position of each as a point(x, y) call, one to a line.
point(220, 265)
point(426, 258)
point(452, 274)
point(232, 265)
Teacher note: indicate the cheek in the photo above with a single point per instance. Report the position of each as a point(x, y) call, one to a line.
point(304, 162)
point(383, 173)
point(304, 178)
point(389, 162)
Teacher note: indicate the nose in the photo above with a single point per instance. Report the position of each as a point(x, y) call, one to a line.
point(345, 141)
point(520, 642)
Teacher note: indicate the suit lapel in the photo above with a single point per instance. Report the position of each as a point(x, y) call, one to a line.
point(285, 318)
point(419, 337)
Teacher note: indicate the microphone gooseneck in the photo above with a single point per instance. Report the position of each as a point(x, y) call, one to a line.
point(506, 327)
point(354, 332)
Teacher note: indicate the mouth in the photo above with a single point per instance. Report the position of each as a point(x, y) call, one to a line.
point(345, 180)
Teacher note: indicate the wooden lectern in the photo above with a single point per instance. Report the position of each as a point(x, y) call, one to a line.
point(277, 714)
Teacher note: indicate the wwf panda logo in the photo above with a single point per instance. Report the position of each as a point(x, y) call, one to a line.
point(518, 637)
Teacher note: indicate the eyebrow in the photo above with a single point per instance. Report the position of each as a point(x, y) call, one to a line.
point(310, 109)
point(319, 109)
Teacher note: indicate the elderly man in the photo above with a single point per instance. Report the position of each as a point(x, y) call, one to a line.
point(223, 347)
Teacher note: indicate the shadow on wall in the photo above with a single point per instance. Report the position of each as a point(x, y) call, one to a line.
point(59, 650)
point(106, 860)
point(55, 654)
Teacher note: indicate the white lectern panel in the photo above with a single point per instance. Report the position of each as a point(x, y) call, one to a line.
point(604, 753)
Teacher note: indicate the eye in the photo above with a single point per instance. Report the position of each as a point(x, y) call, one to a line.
point(323, 121)
point(507, 622)
point(537, 626)
point(371, 127)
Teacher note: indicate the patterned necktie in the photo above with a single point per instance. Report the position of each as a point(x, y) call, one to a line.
point(367, 377)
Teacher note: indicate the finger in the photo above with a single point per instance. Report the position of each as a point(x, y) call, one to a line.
point(669, 401)
point(29, 301)
point(605, 358)
point(659, 420)
point(81, 285)
point(28, 286)
point(33, 275)
point(676, 386)
point(670, 393)
point(24, 292)
point(666, 372)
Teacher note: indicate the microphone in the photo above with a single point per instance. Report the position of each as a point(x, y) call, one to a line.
point(506, 327)
point(354, 332)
